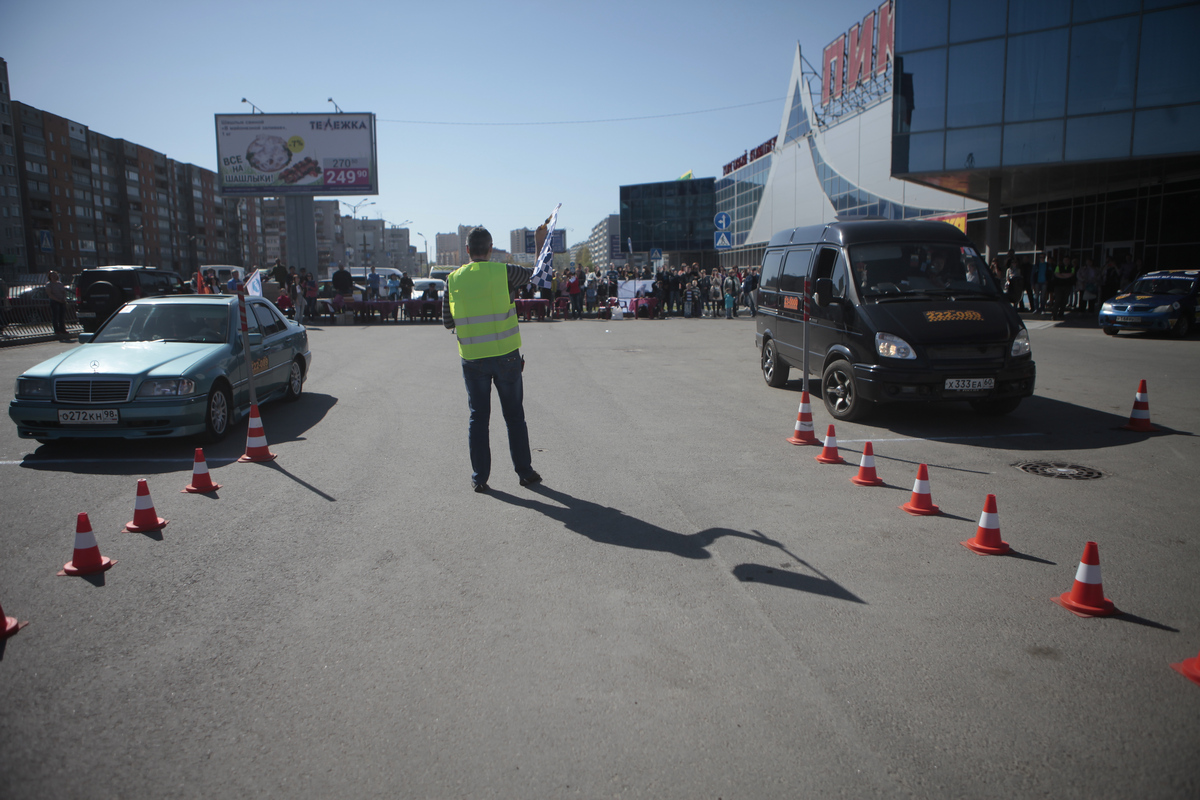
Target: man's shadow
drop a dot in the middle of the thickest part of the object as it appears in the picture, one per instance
(606, 525)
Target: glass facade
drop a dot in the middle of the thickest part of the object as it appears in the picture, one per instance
(1035, 82)
(739, 193)
(675, 216)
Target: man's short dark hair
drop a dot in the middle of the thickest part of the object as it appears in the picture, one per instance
(479, 243)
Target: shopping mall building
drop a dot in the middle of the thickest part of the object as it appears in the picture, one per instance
(1033, 124)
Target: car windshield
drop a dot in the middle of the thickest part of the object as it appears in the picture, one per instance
(914, 269)
(167, 322)
(1180, 285)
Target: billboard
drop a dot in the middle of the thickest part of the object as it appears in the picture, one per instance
(309, 154)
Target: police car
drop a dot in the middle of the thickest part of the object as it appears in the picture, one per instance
(1158, 301)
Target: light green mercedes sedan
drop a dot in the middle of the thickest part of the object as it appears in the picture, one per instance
(161, 367)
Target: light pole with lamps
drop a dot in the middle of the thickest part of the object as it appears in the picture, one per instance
(253, 107)
(426, 241)
(335, 106)
(354, 207)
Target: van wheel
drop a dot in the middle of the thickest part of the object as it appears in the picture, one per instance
(839, 390)
(775, 371)
(996, 408)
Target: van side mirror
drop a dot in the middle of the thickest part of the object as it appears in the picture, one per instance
(824, 292)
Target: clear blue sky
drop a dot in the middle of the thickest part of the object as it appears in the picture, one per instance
(156, 73)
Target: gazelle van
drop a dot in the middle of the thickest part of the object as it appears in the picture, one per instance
(898, 312)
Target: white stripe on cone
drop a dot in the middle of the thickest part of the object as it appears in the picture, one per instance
(831, 440)
(1088, 573)
(989, 520)
(868, 461)
(142, 502)
(86, 540)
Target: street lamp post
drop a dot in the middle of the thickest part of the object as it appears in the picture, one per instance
(253, 108)
(426, 241)
(354, 207)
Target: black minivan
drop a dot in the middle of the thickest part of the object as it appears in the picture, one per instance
(898, 311)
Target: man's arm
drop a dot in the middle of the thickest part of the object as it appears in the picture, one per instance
(447, 317)
(518, 276)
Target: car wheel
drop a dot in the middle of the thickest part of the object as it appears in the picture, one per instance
(775, 371)
(1111, 331)
(295, 383)
(216, 415)
(996, 408)
(1182, 327)
(839, 390)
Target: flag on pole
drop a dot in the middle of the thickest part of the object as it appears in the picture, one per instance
(687, 176)
(543, 273)
(254, 284)
(201, 284)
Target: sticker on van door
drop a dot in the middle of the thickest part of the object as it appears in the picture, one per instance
(791, 303)
(953, 316)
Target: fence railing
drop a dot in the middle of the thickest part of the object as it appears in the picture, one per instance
(25, 316)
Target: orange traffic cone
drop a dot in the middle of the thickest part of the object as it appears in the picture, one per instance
(1086, 597)
(804, 424)
(987, 535)
(87, 558)
(1188, 668)
(829, 453)
(9, 625)
(921, 503)
(1139, 418)
(256, 439)
(201, 482)
(145, 518)
(866, 469)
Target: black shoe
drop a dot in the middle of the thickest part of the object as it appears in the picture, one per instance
(531, 479)
(481, 488)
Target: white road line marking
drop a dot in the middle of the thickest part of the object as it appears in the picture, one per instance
(943, 438)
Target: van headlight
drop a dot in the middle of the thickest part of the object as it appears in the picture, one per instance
(890, 346)
(173, 387)
(1020, 345)
(1166, 309)
(1106, 308)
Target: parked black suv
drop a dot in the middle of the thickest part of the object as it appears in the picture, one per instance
(100, 291)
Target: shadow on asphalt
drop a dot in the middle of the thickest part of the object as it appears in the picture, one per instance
(282, 422)
(606, 525)
(1039, 423)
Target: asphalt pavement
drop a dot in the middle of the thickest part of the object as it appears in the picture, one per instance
(687, 607)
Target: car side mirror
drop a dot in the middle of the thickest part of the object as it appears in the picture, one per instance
(824, 292)
(86, 337)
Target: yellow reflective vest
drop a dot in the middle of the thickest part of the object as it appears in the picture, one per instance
(485, 317)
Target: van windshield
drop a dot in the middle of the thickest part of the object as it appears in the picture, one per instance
(920, 270)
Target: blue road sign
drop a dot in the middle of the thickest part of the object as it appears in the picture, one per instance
(656, 254)
(722, 220)
(722, 240)
(45, 241)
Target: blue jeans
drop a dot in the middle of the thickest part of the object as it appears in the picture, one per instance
(479, 375)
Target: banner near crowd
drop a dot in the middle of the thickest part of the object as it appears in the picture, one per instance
(306, 154)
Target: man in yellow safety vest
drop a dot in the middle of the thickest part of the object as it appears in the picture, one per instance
(479, 308)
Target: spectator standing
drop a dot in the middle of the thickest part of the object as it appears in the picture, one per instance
(480, 310)
(310, 295)
(58, 304)
(575, 293)
(731, 288)
(372, 285)
(393, 287)
(1026, 268)
(280, 274)
(406, 286)
(589, 292)
(343, 284)
(676, 288)
(1037, 291)
(749, 287)
(1089, 286)
(1014, 285)
(1062, 282)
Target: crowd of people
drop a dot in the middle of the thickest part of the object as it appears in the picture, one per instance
(1056, 282)
(686, 291)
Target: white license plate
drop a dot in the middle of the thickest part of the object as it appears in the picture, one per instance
(91, 416)
(969, 384)
(1127, 319)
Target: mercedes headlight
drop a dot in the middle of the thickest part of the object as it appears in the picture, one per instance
(1020, 345)
(33, 388)
(1164, 309)
(173, 387)
(890, 346)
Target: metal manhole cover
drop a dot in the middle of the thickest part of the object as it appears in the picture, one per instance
(1060, 469)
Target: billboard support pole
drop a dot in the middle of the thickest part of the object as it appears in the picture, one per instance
(301, 233)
